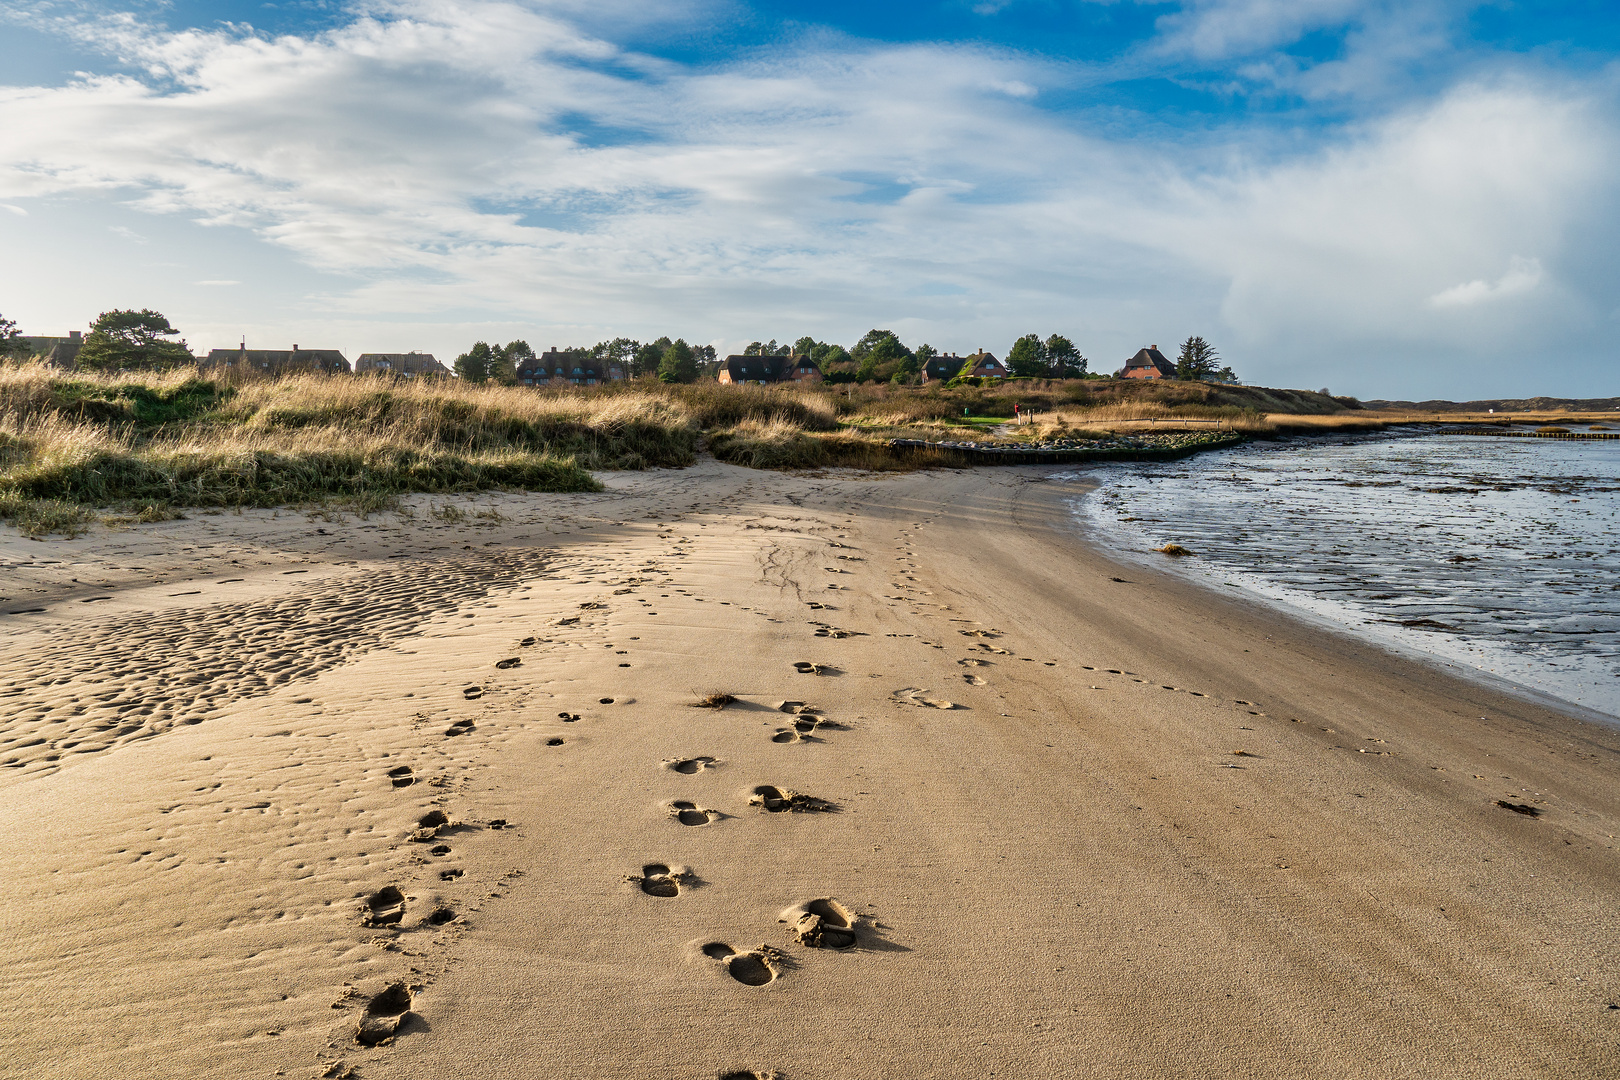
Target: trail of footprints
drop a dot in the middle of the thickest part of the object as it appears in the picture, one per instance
(819, 923)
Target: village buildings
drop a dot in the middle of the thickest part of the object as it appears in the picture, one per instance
(765, 370)
(556, 367)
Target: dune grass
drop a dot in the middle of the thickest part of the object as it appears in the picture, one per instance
(146, 446)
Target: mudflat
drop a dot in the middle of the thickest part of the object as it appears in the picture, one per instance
(725, 773)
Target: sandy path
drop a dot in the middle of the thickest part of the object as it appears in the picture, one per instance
(1069, 871)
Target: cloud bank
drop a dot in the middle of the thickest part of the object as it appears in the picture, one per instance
(425, 170)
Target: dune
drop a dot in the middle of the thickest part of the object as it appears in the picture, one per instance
(728, 773)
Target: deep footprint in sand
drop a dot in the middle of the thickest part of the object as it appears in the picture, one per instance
(658, 879)
(429, 824)
(509, 662)
(690, 766)
(777, 800)
(472, 693)
(385, 907)
(690, 813)
(460, 727)
(754, 968)
(786, 735)
(822, 923)
(384, 1015)
(972, 679)
(404, 776)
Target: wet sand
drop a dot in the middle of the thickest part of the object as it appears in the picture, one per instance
(1026, 818)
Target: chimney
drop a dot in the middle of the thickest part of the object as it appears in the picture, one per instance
(1155, 348)
(74, 335)
(295, 348)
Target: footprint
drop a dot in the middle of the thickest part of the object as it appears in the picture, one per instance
(385, 907)
(980, 633)
(451, 875)
(914, 695)
(526, 642)
(754, 968)
(781, 801)
(460, 727)
(441, 915)
(509, 662)
(805, 667)
(568, 718)
(656, 879)
(822, 923)
(689, 766)
(972, 679)
(974, 661)
(428, 825)
(690, 813)
(472, 693)
(749, 1074)
(440, 850)
(404, 776)
(384, 1015)
(786, 735)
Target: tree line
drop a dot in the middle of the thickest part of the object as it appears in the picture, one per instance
(143, 340)
(670, 361)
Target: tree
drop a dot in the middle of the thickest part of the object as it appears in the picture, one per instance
(806, 346)
(620, 350)
(924, 353)
(827, 356)
(648, 357)
(882, 342)
(132, 340)
(1064, 359)
(1197, 361)
(12, 343)
(1027, 357)
(678, 364)
(1228, 376)
(474, 364)
(506, 361)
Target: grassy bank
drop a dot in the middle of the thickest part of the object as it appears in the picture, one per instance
(149, 446)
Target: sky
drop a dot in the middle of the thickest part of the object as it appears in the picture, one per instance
(1386, 198)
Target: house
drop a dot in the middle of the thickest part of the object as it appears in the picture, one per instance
(277, 361)
(943, 367)
(1148, 363)
(985, 366)
(554, 367)
(765, 370)
(58, 352)
(411, 365)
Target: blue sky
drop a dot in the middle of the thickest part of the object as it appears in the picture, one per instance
(1391, 199)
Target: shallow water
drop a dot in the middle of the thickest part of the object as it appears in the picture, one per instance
(1502, 554)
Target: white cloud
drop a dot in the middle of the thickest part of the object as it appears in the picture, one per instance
(1522, 276)
(19, 211)
(493, 164)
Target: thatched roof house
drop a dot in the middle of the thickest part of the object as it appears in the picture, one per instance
(1148, 363)
(795, 367)
(277, 361)
(411, 365)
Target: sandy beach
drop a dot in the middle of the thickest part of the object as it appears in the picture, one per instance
(434, 796)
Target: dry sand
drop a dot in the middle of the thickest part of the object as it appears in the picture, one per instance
(1076, 825)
